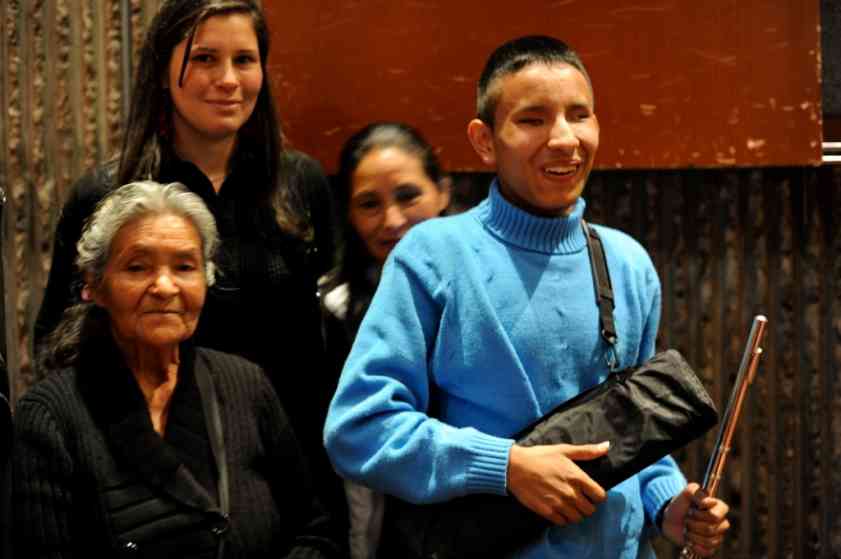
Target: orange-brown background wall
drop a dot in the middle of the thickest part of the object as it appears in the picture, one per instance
(678, 84)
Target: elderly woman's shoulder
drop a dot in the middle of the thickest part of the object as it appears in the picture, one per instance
(223, 360)
(87, 192)
(95, 184)
(57, 383)
(230, 368)
(55, 394)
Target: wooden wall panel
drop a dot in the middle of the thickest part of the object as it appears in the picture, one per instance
(678, 84)
(728, 245)
(63, 97)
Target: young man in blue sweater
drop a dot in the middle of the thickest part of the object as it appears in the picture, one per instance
(491, 314)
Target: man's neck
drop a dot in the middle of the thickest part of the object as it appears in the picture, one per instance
(512, 198)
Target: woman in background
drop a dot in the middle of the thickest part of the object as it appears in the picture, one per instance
(138, 443)
(202, 114)
(388, 180)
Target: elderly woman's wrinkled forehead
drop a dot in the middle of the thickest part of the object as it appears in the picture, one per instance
(132, 202)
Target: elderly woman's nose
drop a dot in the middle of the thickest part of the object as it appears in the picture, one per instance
(164, 283)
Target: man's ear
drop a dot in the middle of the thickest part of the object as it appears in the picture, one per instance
(481, 138)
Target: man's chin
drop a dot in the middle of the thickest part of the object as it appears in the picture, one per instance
(558, 205)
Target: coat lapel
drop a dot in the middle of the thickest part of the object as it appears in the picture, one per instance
(118, 407)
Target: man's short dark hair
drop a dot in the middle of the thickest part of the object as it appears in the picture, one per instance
(512, 57)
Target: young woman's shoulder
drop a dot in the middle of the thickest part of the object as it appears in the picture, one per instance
(89, 190)
(95, 183)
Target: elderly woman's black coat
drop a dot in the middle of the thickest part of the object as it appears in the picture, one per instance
(93, 479)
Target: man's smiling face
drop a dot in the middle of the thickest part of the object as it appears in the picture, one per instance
(544, 139)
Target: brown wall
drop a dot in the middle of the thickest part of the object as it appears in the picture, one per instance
(727, 243)
(678, 84)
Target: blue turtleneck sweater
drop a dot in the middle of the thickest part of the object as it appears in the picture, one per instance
(491, 317)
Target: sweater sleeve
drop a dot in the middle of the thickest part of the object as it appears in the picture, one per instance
(42, 489)
(378, 429)
(660, 482)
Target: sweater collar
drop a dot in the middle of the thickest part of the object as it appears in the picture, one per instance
(554, 235)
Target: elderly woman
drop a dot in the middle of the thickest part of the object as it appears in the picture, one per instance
(137, 443)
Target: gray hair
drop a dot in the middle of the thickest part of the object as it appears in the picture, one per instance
(84, 321)
(133, 201)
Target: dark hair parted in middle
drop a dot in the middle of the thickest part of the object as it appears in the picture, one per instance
(354, 263)
(512, 57)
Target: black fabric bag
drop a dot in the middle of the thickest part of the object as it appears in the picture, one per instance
(645, 412)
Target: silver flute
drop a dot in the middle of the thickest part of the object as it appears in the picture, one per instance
(747, 371)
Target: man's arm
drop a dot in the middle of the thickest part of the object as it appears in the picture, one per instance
(548, 481)
(663, 480)
(378, 430)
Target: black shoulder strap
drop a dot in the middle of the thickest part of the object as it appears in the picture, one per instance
(213, 420)
(602, 285)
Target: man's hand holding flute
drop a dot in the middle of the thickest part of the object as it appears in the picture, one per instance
(696, 521)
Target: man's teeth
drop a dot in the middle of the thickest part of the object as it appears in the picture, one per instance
(560, 170)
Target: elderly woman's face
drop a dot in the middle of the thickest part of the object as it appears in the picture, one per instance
(154, 285)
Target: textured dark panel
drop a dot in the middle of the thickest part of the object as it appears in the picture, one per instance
(729, 245)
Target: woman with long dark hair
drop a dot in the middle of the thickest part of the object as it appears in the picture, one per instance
(202, 114)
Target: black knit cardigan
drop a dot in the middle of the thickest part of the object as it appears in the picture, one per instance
(93, 479)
